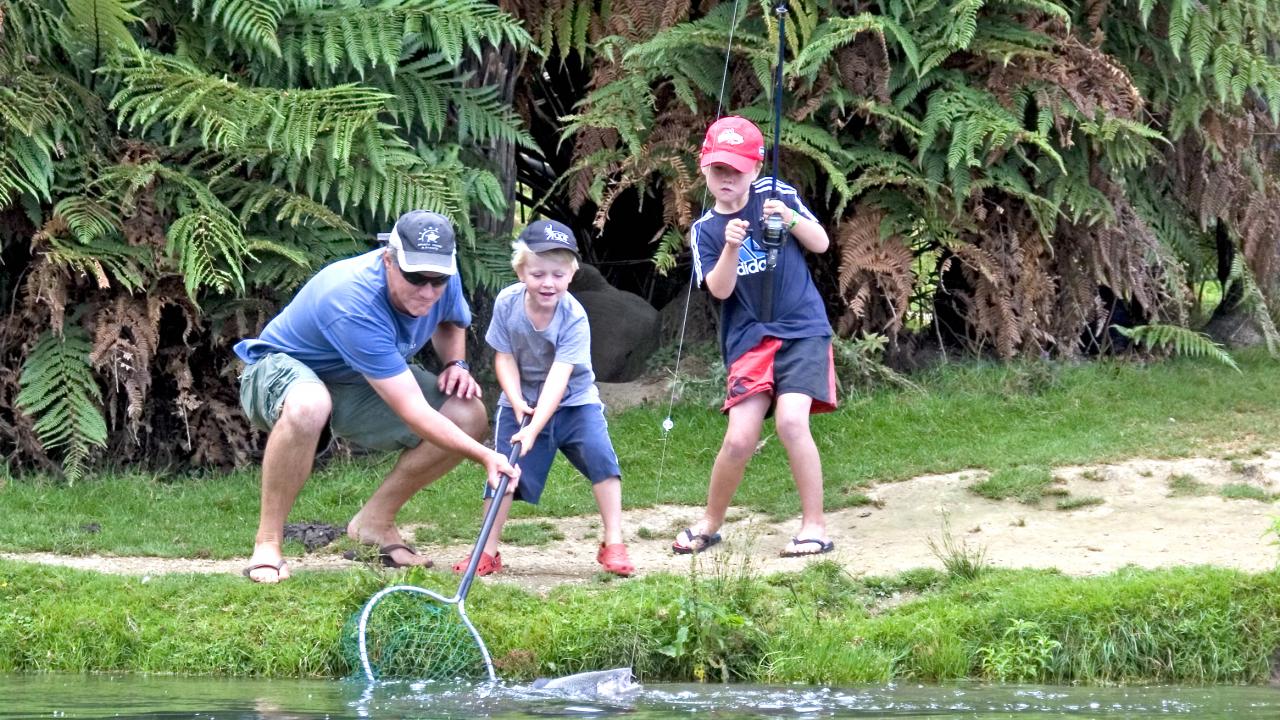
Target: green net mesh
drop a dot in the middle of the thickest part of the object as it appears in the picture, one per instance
(409, 636)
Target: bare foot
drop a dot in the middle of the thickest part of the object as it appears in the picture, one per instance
(267, 564)
(384, 538)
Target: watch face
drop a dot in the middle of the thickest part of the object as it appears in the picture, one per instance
(462, 364)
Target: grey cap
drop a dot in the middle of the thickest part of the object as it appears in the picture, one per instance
(544, 235)
(424, 242)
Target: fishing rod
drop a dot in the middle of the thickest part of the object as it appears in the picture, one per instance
(775, 233)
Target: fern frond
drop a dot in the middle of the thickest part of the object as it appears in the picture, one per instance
(363, 36)
(426, 89)
(105, 259)
(59, 392)
(88, 219)
(31, 28)
(840, 31)
(292, 255)
(159, 89)
(1178, 341)
(26, 166)
(209, 248)
(100, 28)
(254, 22)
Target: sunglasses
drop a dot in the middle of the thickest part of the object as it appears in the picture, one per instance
(418, 279)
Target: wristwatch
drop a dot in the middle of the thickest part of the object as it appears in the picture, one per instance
(460, 363)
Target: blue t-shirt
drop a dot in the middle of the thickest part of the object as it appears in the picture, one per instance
(566, 339)
(341, 324)
(798, 310)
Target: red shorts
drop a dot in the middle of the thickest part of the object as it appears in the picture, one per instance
(777, 367)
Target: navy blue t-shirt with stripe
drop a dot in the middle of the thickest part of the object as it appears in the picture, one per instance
(798, 310)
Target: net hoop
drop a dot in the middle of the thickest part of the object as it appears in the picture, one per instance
(455, 600)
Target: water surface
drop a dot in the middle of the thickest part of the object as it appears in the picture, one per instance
(99, 696)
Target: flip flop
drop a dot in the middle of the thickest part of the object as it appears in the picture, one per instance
(384, 556)
(262, 566)
(824, 546)
(693, 544)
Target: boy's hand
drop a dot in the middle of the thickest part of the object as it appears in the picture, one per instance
(774, 205)
(525, 437)
(522, 409)
(736, 232)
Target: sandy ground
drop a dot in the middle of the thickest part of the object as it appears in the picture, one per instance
(1138, 522)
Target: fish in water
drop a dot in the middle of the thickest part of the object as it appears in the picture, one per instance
(601, 683)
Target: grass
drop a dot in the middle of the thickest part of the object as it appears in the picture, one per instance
(820, 625)
(1075, 503)
(1026, 484)
(1183, 485)
(1013, 420)
(1243, 491)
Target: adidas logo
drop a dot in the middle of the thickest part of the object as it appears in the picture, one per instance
(751, 259)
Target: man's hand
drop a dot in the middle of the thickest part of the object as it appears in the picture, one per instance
(735, 232)
(497, 465)
(453, 380)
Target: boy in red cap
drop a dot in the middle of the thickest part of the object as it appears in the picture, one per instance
(779, 359)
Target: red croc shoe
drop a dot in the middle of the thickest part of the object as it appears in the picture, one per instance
(489, 564)
(614, 559)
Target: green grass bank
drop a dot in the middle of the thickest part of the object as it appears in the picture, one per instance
(1196, 625)
(817, 626)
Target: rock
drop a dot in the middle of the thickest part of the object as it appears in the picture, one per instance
(1235, 329)
(313, 535)
(702, 324)
(624, 327)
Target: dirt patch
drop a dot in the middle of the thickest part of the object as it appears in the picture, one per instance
(1148, 513)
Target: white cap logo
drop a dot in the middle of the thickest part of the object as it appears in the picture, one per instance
(430, 234)
(729, 136)
(555, 235)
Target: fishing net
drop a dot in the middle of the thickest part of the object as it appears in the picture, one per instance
(412, 635)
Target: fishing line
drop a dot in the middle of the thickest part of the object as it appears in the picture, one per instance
(667, 423)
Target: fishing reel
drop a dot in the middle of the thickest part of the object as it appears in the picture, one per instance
(775, 236)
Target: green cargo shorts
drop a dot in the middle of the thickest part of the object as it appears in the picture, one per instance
(360, 415)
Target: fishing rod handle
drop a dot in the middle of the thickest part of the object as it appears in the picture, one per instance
(490, 517)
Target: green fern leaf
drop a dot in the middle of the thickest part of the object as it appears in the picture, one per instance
(253, 21)
(58, 391)
(100, 28)
(1178, 341)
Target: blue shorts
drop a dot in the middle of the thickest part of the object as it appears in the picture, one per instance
(578, 431)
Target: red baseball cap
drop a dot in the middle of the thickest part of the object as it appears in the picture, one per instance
(734, 141)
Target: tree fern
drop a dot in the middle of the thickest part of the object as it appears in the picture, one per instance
(59, 392)
(1178, 341)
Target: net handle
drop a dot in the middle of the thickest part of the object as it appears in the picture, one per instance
(490, 518)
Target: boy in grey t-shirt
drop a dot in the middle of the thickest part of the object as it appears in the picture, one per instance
(543, 362)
